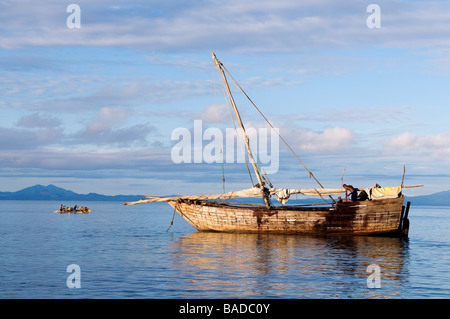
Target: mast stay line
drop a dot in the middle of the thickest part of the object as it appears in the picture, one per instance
(246, 140)
(234, 124)
(270, 124)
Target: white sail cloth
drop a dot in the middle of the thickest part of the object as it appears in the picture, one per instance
(376, 192)
(251, 192)
(282, 195)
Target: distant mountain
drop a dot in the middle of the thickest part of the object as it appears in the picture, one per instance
(437, 199)
(52, 192)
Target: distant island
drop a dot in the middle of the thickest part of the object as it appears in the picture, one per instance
(52, 192)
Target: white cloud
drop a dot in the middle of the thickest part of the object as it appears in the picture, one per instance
(25, 139)
(249, 26)
(54, 158)
(214, 114)
(427, 147)
(52, 84)
(378, 115)
(36, 120)
(110, 127)
(334, 139)
(106, 129)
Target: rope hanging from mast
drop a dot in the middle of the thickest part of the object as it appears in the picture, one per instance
(234, 124)
(220, 149)
(219, 66)
(270, 124)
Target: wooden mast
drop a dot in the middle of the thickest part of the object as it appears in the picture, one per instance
(246, 140)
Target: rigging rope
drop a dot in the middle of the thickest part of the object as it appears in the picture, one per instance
(270, 124)
(235, 129)
(220, 149)
(264, 175)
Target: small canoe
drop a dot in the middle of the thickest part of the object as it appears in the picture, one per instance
(78, 211)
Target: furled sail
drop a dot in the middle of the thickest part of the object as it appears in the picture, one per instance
(282, 195)
(378, 192)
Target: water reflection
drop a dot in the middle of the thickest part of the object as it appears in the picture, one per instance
(258, 265)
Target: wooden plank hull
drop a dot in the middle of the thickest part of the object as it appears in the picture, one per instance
(377, 217)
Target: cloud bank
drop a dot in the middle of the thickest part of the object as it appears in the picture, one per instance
(253, 26)
(107, 95)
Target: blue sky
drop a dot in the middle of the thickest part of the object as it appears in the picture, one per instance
(92, 109)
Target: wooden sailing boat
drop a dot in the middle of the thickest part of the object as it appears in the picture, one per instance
(382, 213)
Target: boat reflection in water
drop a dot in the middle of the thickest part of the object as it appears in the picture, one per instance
(227, 265)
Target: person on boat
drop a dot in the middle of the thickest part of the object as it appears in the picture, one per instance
(363, 196)
(61, 207)
(352, 190)
(75, 208)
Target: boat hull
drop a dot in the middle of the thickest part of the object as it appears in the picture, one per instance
(73, 211)
(376, 217)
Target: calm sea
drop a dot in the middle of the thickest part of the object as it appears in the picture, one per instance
(125, 252)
